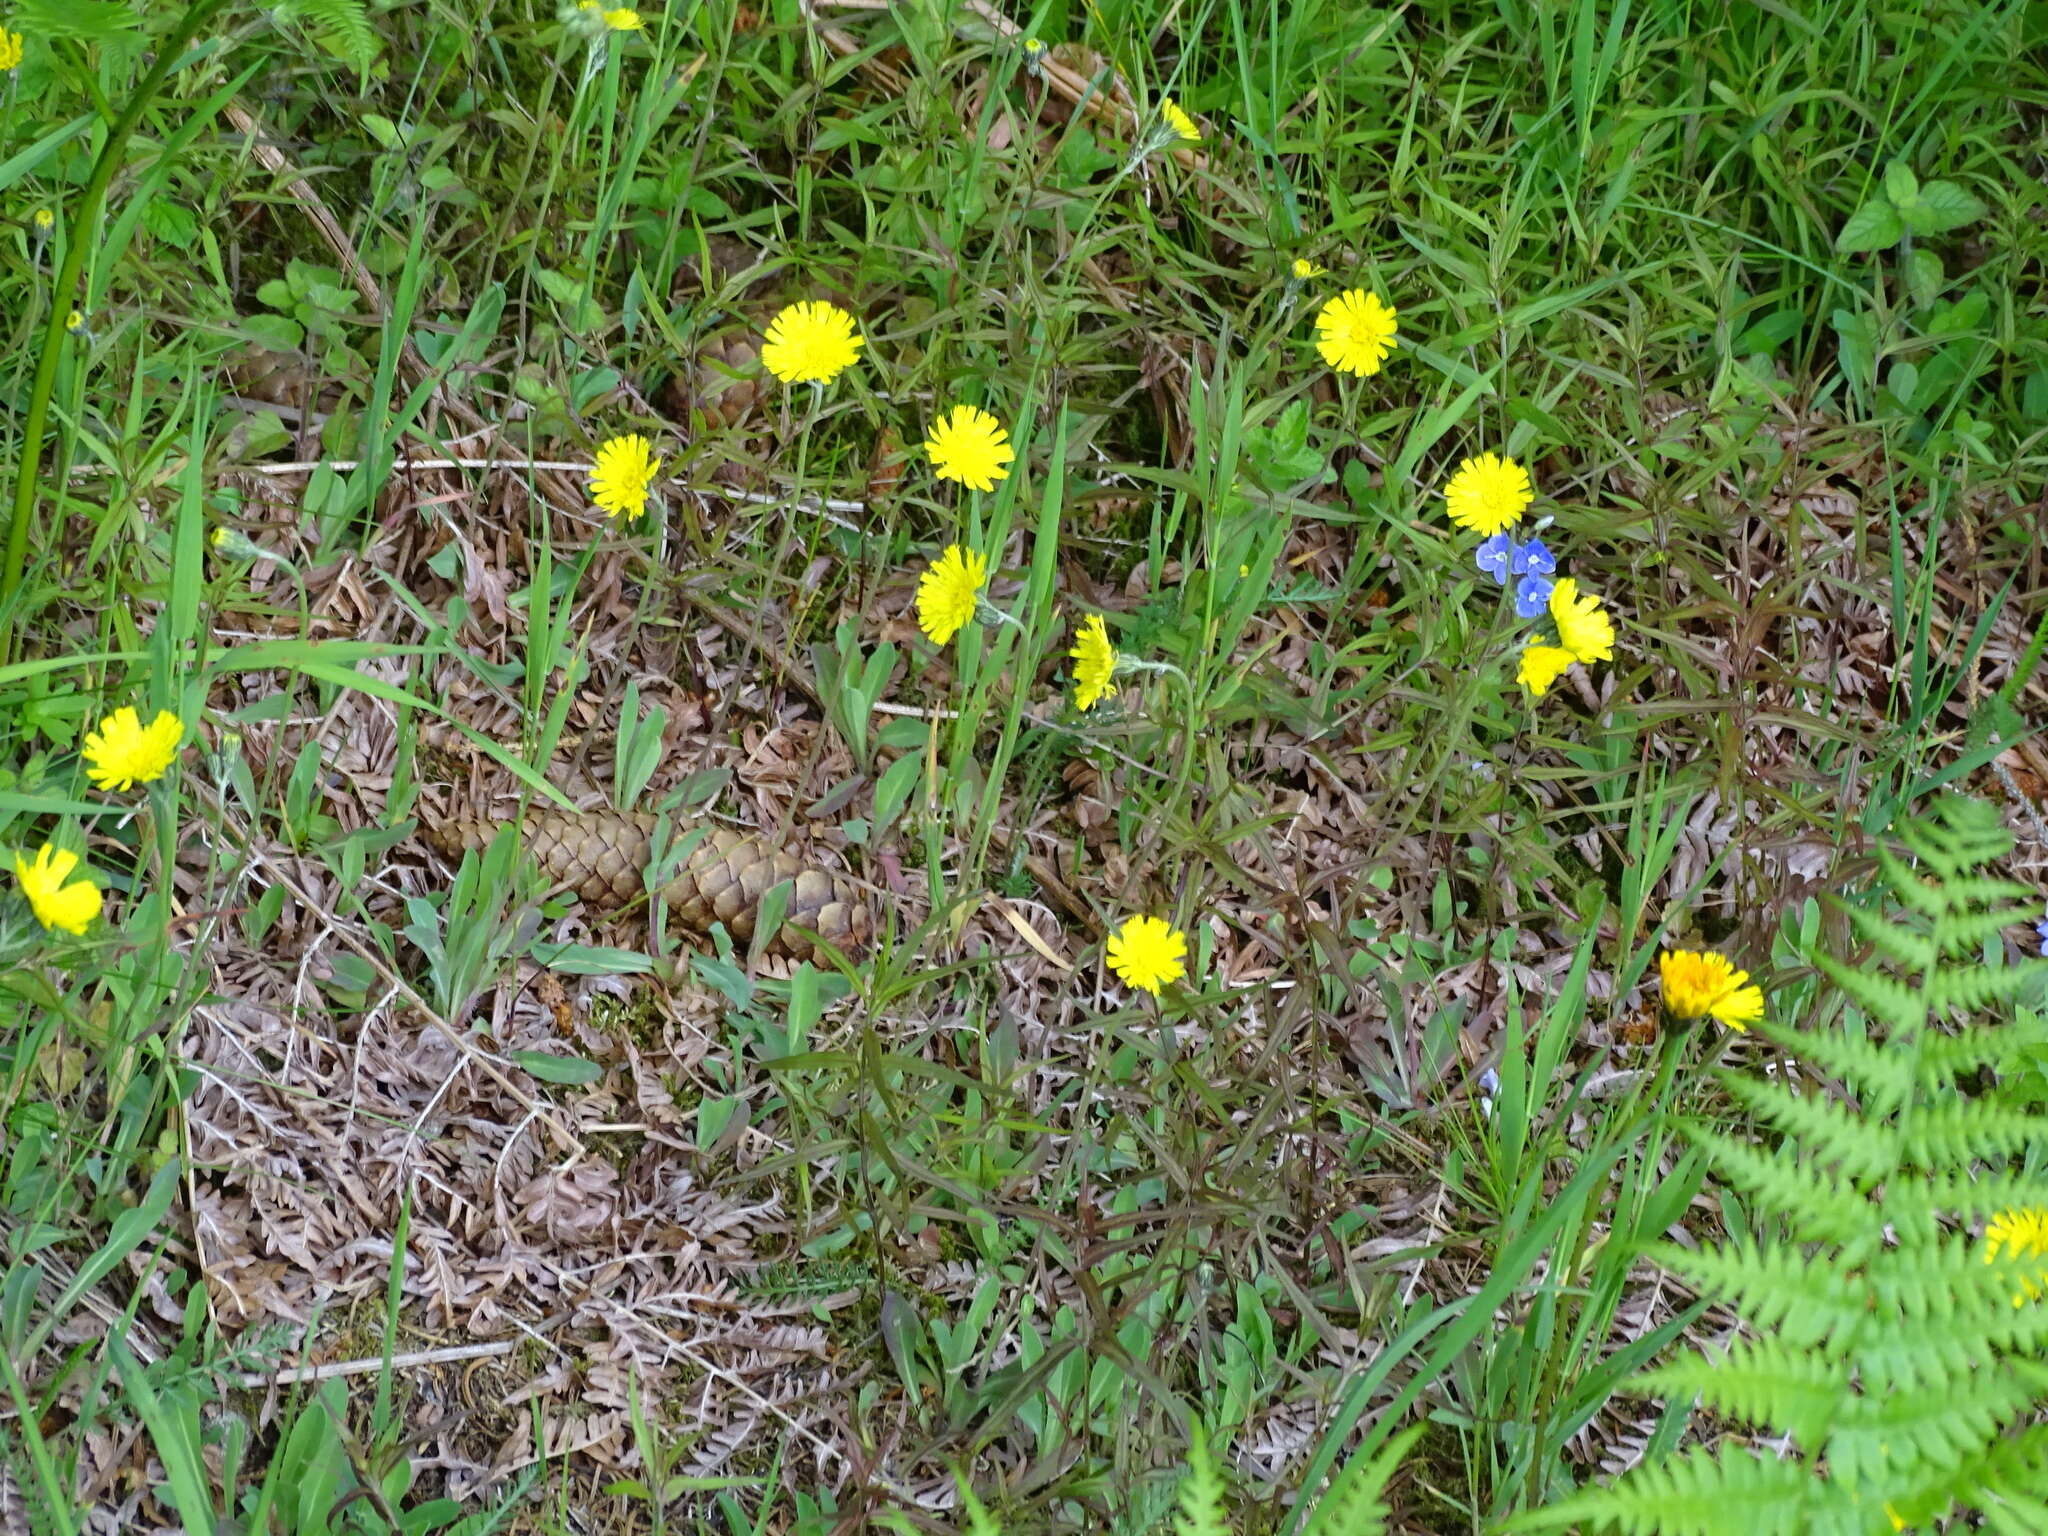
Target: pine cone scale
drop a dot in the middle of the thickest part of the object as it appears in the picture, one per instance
(602, 856)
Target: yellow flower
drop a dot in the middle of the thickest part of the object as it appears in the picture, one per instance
(625, 469)
(811, 343)
(1583, 627)
(1304, 270)
(622, 20)
(1147, 952)
(74, 322)
(57, 905)
(1706, 985)
(1541, 666)
(1182, 125)
(1488, 494)
(44, 218)
(948, 593)
(969, 446)
(1094, 662)
(2023, 1234)
(10, 51)
(1355, 332)
(124, 752)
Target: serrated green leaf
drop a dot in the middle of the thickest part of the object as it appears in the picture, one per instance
(1942, 206)
(1873, 227)
(1901, 185)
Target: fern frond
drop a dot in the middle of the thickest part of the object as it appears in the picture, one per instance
(1985, 910)
(1945, 1057)
(1954, 1135)
(1879, 995)
(1955, 834)
(1937, 1351)
(1879, 1442)
(2012, 1479)
(1882, 1077)
(343, 25)
(1775, 1287)
(1695, 1494)
(1912, 949)
(1967, 1196)
(1353, 1506)
(1820, 1207)
(1960, 993)
(1201, 1492)
(1827, 1130)
(1759, 1381)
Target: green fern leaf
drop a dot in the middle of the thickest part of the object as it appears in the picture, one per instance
(1953, 1135)
(343, 25)
(1819, 1206)
(1912, 949)
(1775, 1287)
(1759, 1381)
(1201, 1492)
(1887, 1359)
(1353, 1506)
(1826, 1129)
(1694, 1494)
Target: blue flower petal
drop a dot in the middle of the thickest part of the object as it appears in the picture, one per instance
(1533, 559)
(1493, 556)
(1532, 595)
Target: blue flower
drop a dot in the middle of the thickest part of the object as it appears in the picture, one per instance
(1532, 559)
(1532, 595)
(1494, 555)
(2042, 929)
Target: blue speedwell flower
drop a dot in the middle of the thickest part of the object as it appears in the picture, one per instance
(1493, 556)
(1532, 559)
(2042, 929)
(1532, 596)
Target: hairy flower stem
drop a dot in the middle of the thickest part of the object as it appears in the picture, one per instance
(85, 213)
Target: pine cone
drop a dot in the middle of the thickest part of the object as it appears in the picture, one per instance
(602, 856)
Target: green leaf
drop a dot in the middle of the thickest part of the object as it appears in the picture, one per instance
(1942, 206)
(96, 20)
(276, 333)
(573, 1071)
(1923, 276)
(1901, 185)
(1872, 227)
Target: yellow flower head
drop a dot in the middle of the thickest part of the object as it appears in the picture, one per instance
(1355, 332)
(1147, 953)
(1488, 494)
(2023, 1235)
(948, 593)
(74, 322)
(1541, 666)
(124, 752)
(624, 472)
(10, 51)
(969, 446)
(811, 343)
(1706, 985)
(1583, 627)
(1305, 269)
(45, 219)
(1182, 125)
(1094, 662)
(622, 20)
(57, 905)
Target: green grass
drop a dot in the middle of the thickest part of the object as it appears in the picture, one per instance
(1042, 1230)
